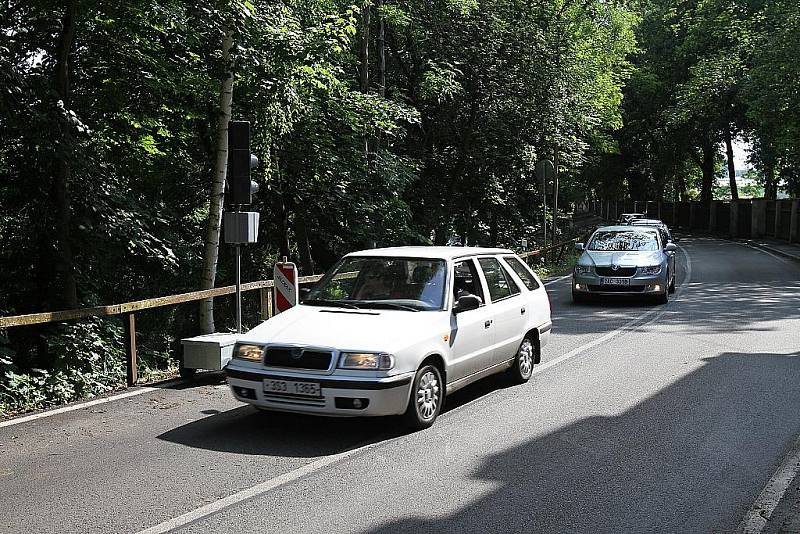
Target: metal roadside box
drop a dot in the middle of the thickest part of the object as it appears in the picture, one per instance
(210, 351)
(240, 226)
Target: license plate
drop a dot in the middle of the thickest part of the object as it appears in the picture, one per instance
(615, 282)
(290, 387)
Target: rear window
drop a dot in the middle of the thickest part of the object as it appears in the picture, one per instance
(522, 271)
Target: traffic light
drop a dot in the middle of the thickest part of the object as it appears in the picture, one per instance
(240, 163)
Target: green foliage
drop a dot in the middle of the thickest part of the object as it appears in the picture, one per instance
(475, 93)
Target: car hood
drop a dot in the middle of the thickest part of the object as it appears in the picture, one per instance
(344, 329)
(632, 258)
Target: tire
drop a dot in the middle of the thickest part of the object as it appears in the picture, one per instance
(672, 285)
(579, 298)
(663, 298)
(522, 369)
(426, 399)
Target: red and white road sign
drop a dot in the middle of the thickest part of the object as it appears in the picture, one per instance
(287, 288)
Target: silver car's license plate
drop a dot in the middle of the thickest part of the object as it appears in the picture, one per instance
(615, 282)
(290, 387)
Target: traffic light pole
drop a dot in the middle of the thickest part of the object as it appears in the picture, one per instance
(238, 288)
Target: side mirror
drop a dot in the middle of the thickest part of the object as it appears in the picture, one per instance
(578, 246)
(467, 303)
(676, 239)
(671, 247)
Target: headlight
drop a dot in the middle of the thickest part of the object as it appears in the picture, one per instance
(366, 360)
(251, 353)
(653, 269)
(583, 269)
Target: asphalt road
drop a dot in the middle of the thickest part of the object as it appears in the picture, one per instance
(640, 418)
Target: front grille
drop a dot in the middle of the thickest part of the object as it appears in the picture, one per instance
(621, 271)
(617, 289)
(296, 358)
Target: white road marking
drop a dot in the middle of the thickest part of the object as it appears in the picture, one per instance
(757, 516)
(558, 279)
(74, 407)
(82, 405)
(308, 469)
(767, 252)
(652, 314)
(254, 491)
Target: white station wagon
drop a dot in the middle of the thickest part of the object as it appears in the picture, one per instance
(391, 331)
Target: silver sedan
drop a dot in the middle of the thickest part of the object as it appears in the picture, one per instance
(627, 260)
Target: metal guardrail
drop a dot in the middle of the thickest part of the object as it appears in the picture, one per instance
(127, 310)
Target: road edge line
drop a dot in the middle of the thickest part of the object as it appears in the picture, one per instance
(761, 510)
(74, 407)
(254, 491)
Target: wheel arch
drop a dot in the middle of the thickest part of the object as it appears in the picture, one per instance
(533, 335)
(436, 360)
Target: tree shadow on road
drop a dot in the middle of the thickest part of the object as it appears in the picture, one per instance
(691, 458)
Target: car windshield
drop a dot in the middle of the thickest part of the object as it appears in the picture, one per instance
(413, 284)
(621, 240)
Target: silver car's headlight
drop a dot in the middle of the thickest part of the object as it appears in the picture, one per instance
(366, 360)
(651, 270)
(250, 353)
(583, 269)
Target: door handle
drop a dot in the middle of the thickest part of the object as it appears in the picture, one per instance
(522, 311)
(487, 324)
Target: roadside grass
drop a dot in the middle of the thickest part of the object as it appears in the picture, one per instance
(560, 267)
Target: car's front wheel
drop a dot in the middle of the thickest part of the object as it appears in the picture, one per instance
(522, 370)
(427, 396)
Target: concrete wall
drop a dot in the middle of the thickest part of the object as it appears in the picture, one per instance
(778, 219)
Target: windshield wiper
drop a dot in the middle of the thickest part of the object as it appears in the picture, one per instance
(392, 305)
(334, 303)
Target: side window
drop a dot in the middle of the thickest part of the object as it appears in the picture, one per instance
(522, 271)
(500, 284)
(465, 280)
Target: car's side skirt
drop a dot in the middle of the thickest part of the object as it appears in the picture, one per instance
(474, 377)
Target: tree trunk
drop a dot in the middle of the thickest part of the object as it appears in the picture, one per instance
(214, 222)
(381, 51)
(364, 66)
(680, 189)
(364, 52)
(61, 176)
(769, 181)
(707, 166)
(731, 166)
(303, 246)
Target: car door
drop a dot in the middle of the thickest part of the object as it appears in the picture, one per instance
(538, 311)
(509, 309)
(471, 333)
(667, 238)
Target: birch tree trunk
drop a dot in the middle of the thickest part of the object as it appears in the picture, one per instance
(214, 222)
(65, 262)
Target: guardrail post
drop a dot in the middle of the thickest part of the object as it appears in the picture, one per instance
(132, 372)
(794, 222)
(262, 300)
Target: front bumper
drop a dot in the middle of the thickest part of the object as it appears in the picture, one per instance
(384, 396)
(638, 284)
